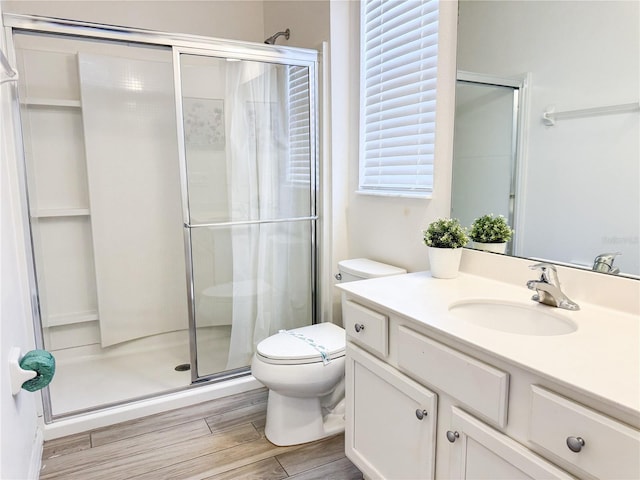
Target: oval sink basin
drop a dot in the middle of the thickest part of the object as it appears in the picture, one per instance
(512, 317)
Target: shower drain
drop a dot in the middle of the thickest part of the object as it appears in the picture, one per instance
(183, 367)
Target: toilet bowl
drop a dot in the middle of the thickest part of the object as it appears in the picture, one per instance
(303, 369)
(300, 382)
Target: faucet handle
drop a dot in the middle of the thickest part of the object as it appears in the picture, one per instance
(548, 272)
(604, 262)
(542, 266)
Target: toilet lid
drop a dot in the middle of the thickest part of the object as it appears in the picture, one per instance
(303, 345)
(365, 268)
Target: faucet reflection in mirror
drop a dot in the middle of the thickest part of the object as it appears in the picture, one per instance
(548, 288)
(604, 263)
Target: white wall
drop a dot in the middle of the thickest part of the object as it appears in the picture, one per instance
(583, 175)
(20, 436)
(382, 228)
(341, 43)
(308, 21)
(238, 20)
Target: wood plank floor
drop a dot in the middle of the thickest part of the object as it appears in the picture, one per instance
(218, 440)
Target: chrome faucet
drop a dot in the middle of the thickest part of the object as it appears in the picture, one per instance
(548, 288)
(604, 263)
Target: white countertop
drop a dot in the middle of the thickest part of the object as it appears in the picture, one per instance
(601, 358)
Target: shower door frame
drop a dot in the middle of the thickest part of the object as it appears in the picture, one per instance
(188, 226)
(521, 87)
(180, 43)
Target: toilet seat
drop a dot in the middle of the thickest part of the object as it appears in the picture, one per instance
(303, 345)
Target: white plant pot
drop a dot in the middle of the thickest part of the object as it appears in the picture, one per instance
(491, 247)
(445, 262)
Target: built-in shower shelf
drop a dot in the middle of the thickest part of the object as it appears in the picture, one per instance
(60, 212)
(51, 102)
(70, 318)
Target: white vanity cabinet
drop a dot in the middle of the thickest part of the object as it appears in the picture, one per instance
(484, 417)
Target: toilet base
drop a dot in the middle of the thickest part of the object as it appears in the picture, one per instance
(293, 420)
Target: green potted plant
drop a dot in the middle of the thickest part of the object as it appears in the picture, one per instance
(444, 239)
(490, 233)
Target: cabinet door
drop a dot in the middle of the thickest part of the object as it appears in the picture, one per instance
(390, 420)
(480, 452)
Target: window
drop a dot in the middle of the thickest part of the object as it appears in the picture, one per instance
(398, 60)
(299, 167)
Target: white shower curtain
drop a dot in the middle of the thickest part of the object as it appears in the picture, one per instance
(270, 283)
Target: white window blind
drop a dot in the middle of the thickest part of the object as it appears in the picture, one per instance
(299, 167)
(399, 52)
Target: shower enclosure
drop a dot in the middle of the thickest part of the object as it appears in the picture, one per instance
(151, 159)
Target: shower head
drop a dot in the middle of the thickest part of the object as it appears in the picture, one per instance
(272, 39)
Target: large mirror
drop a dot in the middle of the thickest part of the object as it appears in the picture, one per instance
(547, 126)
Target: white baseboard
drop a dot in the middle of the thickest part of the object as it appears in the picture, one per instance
(142, 408)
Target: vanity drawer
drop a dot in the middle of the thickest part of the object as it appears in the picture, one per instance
(610, 448)
(366, 327)
(479, 386)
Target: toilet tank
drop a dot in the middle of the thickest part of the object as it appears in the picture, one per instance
(363, 268)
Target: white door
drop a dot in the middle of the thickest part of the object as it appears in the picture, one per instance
(390, 420)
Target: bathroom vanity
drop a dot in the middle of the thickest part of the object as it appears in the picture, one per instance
(433, 394)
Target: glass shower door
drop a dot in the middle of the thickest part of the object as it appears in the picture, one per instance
(249, 180)
(103, 186)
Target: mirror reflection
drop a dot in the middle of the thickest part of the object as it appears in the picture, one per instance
(547, 127)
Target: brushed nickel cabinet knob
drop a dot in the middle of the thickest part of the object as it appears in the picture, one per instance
(575, 444)
(452, 436)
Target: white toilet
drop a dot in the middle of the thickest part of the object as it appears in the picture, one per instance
(303, 369)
